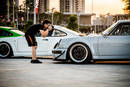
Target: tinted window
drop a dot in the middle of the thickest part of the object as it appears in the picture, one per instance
(5, 33)
(55, 33)
(38, 34)
(122, 29)
(125, 30)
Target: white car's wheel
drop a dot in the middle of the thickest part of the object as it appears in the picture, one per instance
(79, 53)
(5, 50)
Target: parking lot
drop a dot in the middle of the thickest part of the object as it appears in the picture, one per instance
(19, 72)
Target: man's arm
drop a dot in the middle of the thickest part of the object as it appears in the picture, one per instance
(45, 33)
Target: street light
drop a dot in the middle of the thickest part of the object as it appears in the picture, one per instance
(78, 21)
(13, 10)
(34, 21)
(8, 10)
(92, 6)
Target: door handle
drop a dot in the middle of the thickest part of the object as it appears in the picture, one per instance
(45, 39)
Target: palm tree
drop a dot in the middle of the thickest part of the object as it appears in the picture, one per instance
(58, 16)
(127, 6)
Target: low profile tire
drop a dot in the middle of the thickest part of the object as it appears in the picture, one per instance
(5, 50)
(79, 53)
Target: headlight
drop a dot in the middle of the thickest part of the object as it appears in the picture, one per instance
(57, 44)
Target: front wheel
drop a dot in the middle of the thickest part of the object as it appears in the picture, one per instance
(5, 50)
(79, 53)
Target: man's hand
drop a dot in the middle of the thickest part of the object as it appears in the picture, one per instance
(44, 33)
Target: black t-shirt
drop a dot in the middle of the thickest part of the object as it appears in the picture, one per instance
(34, 29)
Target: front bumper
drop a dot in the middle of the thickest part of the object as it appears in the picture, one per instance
(59, 54)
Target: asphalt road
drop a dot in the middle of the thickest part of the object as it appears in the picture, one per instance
(19, 72)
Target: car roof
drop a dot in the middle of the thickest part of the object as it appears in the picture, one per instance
(121, 21)
(8, 28)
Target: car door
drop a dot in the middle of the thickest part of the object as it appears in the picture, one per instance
(117, 43)
(22, 45)
(45, 45)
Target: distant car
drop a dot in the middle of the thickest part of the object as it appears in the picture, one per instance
(113, 43)
(13, 42)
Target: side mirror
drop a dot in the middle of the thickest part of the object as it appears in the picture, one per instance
(105, 35)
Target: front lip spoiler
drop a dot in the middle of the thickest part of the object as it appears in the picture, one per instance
(58, 55)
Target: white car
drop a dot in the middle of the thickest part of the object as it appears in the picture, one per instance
(13, 42)
(113, 43)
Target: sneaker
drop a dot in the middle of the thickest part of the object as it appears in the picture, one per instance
(35, 61)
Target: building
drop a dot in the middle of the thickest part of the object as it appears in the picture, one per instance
(43, 6)
(102, 22)
(84, 19)
(72, 6)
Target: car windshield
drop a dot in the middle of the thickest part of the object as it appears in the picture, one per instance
(17, 31)
(108, 30)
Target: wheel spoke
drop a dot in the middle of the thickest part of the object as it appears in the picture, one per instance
(4, 50)
(79, 52)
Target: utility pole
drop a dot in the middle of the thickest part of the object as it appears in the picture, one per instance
(27, 13)
(8, 9)
(78, 15)
(34, 21)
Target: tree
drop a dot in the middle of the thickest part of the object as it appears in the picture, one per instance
(72, 22)
(127, 6)
(29, 4)
(58, 16)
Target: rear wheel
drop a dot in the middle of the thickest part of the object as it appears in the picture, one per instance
(79, 53)
(5, 50)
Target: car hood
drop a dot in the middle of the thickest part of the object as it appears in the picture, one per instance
(94, 35)
(65, 42)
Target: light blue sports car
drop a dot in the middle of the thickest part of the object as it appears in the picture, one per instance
(113, 43)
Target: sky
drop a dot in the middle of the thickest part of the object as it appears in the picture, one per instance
(99, 6)
(104, 6)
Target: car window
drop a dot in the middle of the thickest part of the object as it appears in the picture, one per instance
(55, 33)
(58, 33)
(117, 30)
(38, 34)
(5, 33)
(122, 30)
(18, 32)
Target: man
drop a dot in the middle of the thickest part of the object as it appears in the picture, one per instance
(43, 28)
